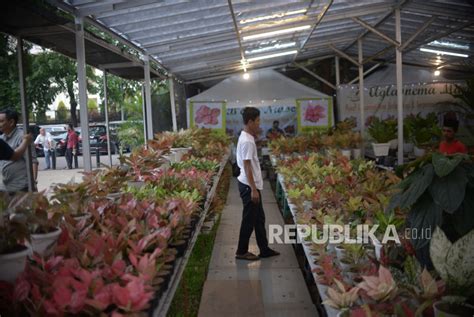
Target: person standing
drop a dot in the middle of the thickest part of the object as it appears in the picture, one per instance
(44, 138)
(250, 186)
(14, 173)
(275, 132)
(71, 145)
(451, 145)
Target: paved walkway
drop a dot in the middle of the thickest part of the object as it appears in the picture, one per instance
(269, 287)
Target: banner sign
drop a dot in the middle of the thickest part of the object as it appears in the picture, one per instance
(283, 112)
(314, 113)
(208, 114)
(381, 101)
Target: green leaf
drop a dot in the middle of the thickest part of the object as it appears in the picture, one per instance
(443, 165)
(418, 186)
(449, 191)
(438, 252)
(423, 217)
(460, 265)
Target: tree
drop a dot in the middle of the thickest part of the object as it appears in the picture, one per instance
(61, 112)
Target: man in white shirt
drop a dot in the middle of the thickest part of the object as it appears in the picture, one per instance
(250, 186)
(44, 138)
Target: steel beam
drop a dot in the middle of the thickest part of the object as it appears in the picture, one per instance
(315, 25)
(173, 105)
(315, 75)
(374, 30)
(365, 73)
(342, 54)
(398, 55)
(24, 114)
(361, 95)
(337, 71)
(418, 32)
(120, 65)
(149, 112)
(82, 79)
(237, 33)
(106, 110)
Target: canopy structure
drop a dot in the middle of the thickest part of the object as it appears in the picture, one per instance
(262, 85)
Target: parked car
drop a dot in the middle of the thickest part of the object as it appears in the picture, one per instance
(60, 142)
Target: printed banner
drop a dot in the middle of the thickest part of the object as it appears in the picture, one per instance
(208, 114)
(381, 101)
(314, 113)
(284, 112)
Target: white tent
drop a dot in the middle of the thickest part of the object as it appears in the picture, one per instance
(273, 93)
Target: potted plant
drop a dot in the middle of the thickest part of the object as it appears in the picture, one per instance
(437, 191)
(357, 142)
(382, 131)
(343, 141)
(43, 224)
(425, 129)
(13, 234)
(409, 128)
(340, 298)
(454, 263)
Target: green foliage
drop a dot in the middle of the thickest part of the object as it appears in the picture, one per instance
(453, 262)
(438, 192)
(425, 129)
(382, 131)
(130, 133)
(61, 112)
(465, 95)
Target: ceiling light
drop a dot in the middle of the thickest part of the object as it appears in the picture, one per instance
(253, 59)
(449, 45)
(436, 73)
(443, 52)
(246, 76)
(278, 32)
(272, 16)
(264, 49)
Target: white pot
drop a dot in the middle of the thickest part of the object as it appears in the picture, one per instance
(44, 243)
(345, 266)
(12, 264)
(419, 152)
(446, 309)
(393, 144)
(407, 148)
(346, 153)
(378, 249)
(307, 205)
(356, 154)
(381, 149)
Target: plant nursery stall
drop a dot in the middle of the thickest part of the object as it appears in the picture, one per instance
(118, 242)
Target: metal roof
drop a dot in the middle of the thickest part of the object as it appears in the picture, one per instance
(202, 39)
(197, 39)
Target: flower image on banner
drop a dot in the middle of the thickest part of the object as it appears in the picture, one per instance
(208, 115)
(314, 113)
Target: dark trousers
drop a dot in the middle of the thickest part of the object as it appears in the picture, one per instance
(69, 158)
(253, 217)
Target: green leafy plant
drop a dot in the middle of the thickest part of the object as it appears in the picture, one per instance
(438, 191)
(383, 131)
(340, 298)
(13, 227)
(454, 263)
(424, 129)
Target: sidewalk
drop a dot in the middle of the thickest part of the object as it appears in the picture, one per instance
(268, 287)
(47, 179)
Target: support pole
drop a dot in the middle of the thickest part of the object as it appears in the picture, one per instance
(149, 113)
(338, 77)
(144, 115)
(398, 55)
(173, 105)
(315, 75)
(81, 77)
(106, 109)
(24, 113)
(361, 94)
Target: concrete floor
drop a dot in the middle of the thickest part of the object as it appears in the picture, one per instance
(268, 287)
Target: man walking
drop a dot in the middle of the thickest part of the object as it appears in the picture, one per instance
(250, 186)
(14, 173)
(71, 143)
(44, 138)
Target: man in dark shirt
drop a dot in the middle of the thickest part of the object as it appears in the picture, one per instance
(9, 154)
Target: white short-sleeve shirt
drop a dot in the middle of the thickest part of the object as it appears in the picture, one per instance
(247, 150)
